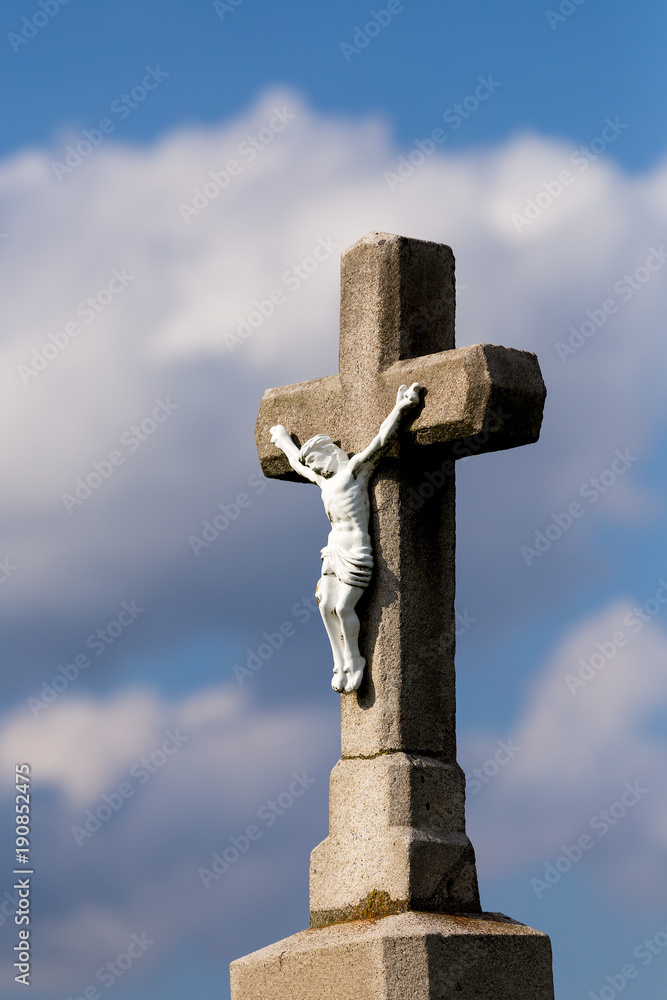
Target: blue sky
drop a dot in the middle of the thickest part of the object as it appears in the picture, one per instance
(135, 284)
(560, 76)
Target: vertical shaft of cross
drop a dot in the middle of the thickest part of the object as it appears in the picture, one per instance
(407, 700)
(397, 301)
(397, 836)
(397, 304)
(397, 847)
(397, 829)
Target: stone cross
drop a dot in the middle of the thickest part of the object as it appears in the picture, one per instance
(397, 837)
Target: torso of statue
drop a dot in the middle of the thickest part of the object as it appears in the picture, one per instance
(345, 498)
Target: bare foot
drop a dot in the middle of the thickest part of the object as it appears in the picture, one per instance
(339, 680)
(354, 675)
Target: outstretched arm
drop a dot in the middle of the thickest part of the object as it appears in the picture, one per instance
(366, 461)
(281, 438)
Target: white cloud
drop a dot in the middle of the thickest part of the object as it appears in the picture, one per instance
(232, 758)
(162, 335)
(318, 178)
(588, 728)
(78, 745)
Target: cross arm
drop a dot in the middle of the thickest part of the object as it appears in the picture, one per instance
(305, 409)
(494, 394)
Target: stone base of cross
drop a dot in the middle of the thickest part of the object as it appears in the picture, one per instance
(394, 902)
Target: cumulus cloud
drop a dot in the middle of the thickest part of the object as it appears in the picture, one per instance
(117, 308)
(592, 726)
(151, 789)
(163, 330)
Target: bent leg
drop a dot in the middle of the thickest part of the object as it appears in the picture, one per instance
(353, 661)
(326, 595)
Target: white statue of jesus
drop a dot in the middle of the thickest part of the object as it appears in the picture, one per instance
(347, 558)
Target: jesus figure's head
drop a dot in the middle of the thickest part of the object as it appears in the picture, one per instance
(321, 455)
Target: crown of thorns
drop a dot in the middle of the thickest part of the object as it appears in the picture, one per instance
(317, 443)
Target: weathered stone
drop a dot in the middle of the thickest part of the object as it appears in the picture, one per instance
(409, 956)
(397, 850)
(397, 325)
(397, 303)
(396, 822)
(471, 392)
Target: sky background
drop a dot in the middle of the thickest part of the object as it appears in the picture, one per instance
(551, 192)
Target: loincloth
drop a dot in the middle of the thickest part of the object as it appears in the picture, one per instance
(352, 568)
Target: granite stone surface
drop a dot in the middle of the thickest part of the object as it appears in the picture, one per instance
(395, 910)
(408, 956)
